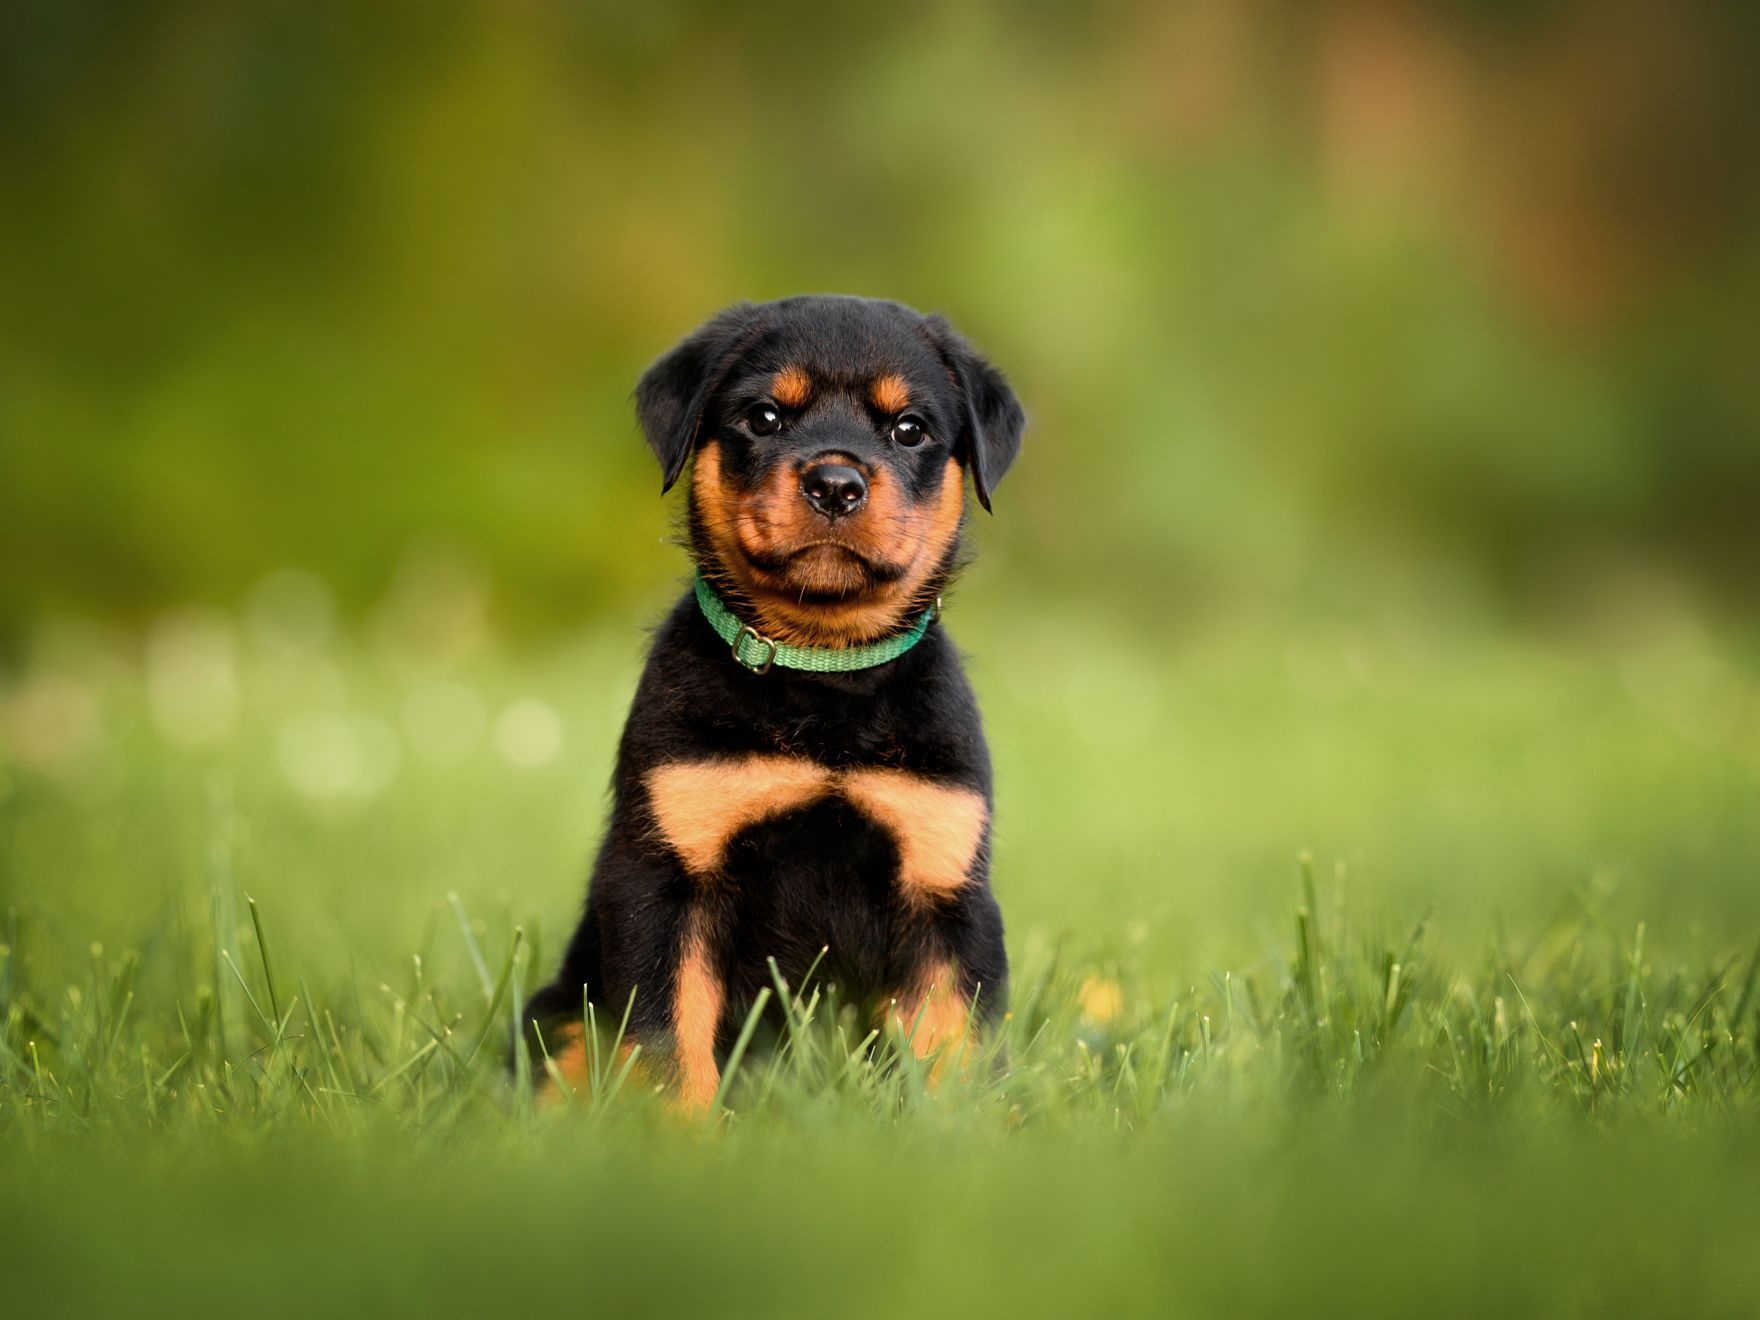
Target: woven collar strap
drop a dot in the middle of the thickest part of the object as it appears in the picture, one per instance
(758, 653)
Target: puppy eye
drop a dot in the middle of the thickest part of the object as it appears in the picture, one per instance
(763, 419)
(909, 431)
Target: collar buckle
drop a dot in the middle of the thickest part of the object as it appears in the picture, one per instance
(739, 641)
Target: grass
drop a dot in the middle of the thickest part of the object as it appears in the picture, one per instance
(1498, 1048)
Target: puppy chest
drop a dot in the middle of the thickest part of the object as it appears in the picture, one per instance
(934, 829)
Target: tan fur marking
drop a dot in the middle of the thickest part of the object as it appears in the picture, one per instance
(695, 1018)
(936, 1019)
(890, 393)
(700, 806)
(790, 387)
(716, 505)
(938, 828)
(568, 1052)
(774, 519)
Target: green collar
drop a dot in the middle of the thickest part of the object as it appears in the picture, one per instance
(758, 653)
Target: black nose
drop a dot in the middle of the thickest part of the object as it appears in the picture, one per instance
(834, 489)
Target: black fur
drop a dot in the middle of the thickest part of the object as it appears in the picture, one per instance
(824, 876)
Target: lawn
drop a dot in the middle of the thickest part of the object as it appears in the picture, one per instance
(1358, 969)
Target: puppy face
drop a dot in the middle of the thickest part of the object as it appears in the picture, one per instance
(831, 437)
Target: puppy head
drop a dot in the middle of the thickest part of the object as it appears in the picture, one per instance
(832, 437)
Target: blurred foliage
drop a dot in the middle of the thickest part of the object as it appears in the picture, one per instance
(1308, 302)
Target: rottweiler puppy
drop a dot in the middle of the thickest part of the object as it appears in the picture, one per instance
(803, 775)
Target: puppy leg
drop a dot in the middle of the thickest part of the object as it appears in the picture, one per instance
(952, 972)
(694, 1010)
(646, 947)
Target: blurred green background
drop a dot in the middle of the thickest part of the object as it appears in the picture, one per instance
(1319, 304)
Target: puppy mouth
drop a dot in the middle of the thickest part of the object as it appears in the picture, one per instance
(824, 569)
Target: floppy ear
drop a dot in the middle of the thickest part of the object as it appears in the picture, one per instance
(671, 395)
(991, 433)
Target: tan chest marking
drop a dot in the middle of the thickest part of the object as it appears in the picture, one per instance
(938, 828)
(700, 805)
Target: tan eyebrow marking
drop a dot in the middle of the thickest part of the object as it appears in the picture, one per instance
(890, 394)
(790, 387)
